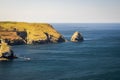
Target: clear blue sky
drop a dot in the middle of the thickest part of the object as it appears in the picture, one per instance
(74, 11)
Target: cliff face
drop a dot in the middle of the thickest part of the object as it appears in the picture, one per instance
(12, 37)
(29, 33)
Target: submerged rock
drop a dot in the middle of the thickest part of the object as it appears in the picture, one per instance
(77, 37)
(6, 53)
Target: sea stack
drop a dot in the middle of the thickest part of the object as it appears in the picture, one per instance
(77, 37)
(6, 53)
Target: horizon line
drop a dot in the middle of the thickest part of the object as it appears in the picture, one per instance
(58, 22)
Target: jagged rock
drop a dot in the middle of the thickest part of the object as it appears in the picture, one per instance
(6, 53)
(77, 37)
(29, 33)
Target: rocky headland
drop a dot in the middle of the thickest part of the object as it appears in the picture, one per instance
(16, 33)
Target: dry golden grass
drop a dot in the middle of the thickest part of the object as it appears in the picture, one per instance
(4, 47)
(9, 35)
(35, 31)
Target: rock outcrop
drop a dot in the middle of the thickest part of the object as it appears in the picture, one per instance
(12, 37)
(77, 37)
(6, 53)
(29, 33)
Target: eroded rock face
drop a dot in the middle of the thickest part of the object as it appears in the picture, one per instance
(12, 37)
(6, 53)
(29, 33)
(77, 37)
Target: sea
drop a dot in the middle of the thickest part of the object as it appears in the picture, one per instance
(95, 58)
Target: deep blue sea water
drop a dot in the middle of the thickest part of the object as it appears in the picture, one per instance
(96, 58)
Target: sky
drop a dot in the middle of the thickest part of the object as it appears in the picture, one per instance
(61, 11)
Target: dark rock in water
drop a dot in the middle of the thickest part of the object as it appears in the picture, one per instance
(6, 53)
(77, 37)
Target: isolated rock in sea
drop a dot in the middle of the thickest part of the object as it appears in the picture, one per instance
(6, 53)
(77, 37)
(16, 33)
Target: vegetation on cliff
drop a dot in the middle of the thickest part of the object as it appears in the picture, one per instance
(29, 33)
(6, 53)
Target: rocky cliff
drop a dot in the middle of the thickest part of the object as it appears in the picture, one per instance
(29, 33)
(6, 53)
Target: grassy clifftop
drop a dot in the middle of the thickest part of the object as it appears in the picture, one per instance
(35, 32)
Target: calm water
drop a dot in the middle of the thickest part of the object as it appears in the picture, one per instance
(97, 58)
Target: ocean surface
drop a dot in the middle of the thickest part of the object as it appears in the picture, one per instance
(96, 58)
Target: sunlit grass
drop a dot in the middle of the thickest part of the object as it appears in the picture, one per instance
(35, 31)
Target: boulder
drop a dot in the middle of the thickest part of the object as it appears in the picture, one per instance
(6, 53)
(77, 37)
